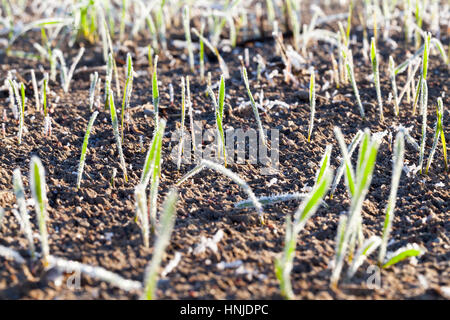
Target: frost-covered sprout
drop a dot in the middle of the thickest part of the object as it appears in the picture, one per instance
(438, 44)
(307, 208)
(292, 9)
(12, 93)
(44, 94)
(410, 250)
(183, 115)
(358, 182)
(223, 66)
(37, 185)
(68, 75)
(152, 169)
(439, 131)
(187, 34)
(191, 112)
(423, 107)
(108, 47)
(164, 232)
(115, 126)
(150, 58)
(230, 174)
(283, 265)
(108, 79)
(21, 203)
(127, 92)
(36, 90)
(21, 111)
(423, 75)
(122, 20)
(202, 53)
(376, 76)
(152, 28)
(399, 151)
(312, 104)
(394, 85)
(219, 109)
(142, 212)
(92, 89)
(254, 106)
(351, 148)
(84, 148)
(351, 74)
(155, 91)
(365, 250)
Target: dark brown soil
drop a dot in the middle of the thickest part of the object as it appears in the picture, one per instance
(95, 225)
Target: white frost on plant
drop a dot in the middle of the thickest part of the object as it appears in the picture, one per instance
(172, 264)
(98, 273)
(11, 254)
(229, 265)
(209, 243)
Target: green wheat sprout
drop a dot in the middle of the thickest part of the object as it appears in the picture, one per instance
(108, 79)
(164, 232)
(439, 131)
(394, 85)
(22, 111)
(37, 185)
(351, 148)
(254, 106)
(36, 90)
(284, 264)
(351, 74)
(44, 94)
(84, 148)
(312, 103)
(399, 151)
(423, 75)
(223, 66)
(127, 92)
(187, 34)
(358, 181)
(365, 250)
(410, 250)
(115, 126)
(202, 53)
(152, 170)
(142, 212)
(423, 107)
(183, 115)
(376, 76)
(92, 90)
(219, 110)
(191, 112)
(155, 91)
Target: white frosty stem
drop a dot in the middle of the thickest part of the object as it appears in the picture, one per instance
(21, 203)
(37, 185)
(98, 273)
(230, 174)
(369, 246)
(11, 254)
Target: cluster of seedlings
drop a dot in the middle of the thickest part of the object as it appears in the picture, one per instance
(95, 20)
